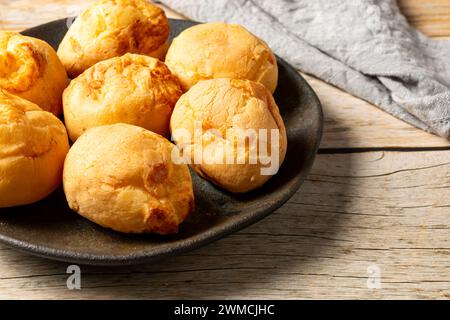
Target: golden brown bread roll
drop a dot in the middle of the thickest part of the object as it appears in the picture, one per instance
(122, 177)
(33, 145)
(132, 89)
(215, 118)
(30, 68)
(220, 50)
(111, 28)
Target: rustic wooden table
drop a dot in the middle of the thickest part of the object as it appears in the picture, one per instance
(377, 202)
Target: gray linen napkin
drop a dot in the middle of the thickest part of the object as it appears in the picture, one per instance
(365, 47)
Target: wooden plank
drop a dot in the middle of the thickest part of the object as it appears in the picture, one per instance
(21, 14)
(432, 17)
(385, 210)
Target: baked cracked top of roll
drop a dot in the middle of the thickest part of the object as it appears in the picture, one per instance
(111, 28)
(133, 89)
(30, 68)
(231, 132)
(20, 63)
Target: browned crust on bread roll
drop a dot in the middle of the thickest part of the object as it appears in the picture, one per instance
(225, 108)
(133, 89)
(111, 28)
(221, 50)
(122, 177)
(30, 68)
(33, 145)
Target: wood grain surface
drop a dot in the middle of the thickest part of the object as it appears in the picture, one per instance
(385, 210)
(377, 199)
(432, 17)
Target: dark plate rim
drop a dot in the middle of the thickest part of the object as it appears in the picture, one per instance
(196, 241)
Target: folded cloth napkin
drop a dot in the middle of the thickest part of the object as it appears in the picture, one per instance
(365, 47)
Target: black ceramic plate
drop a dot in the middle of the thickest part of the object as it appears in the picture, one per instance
(50, 229)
